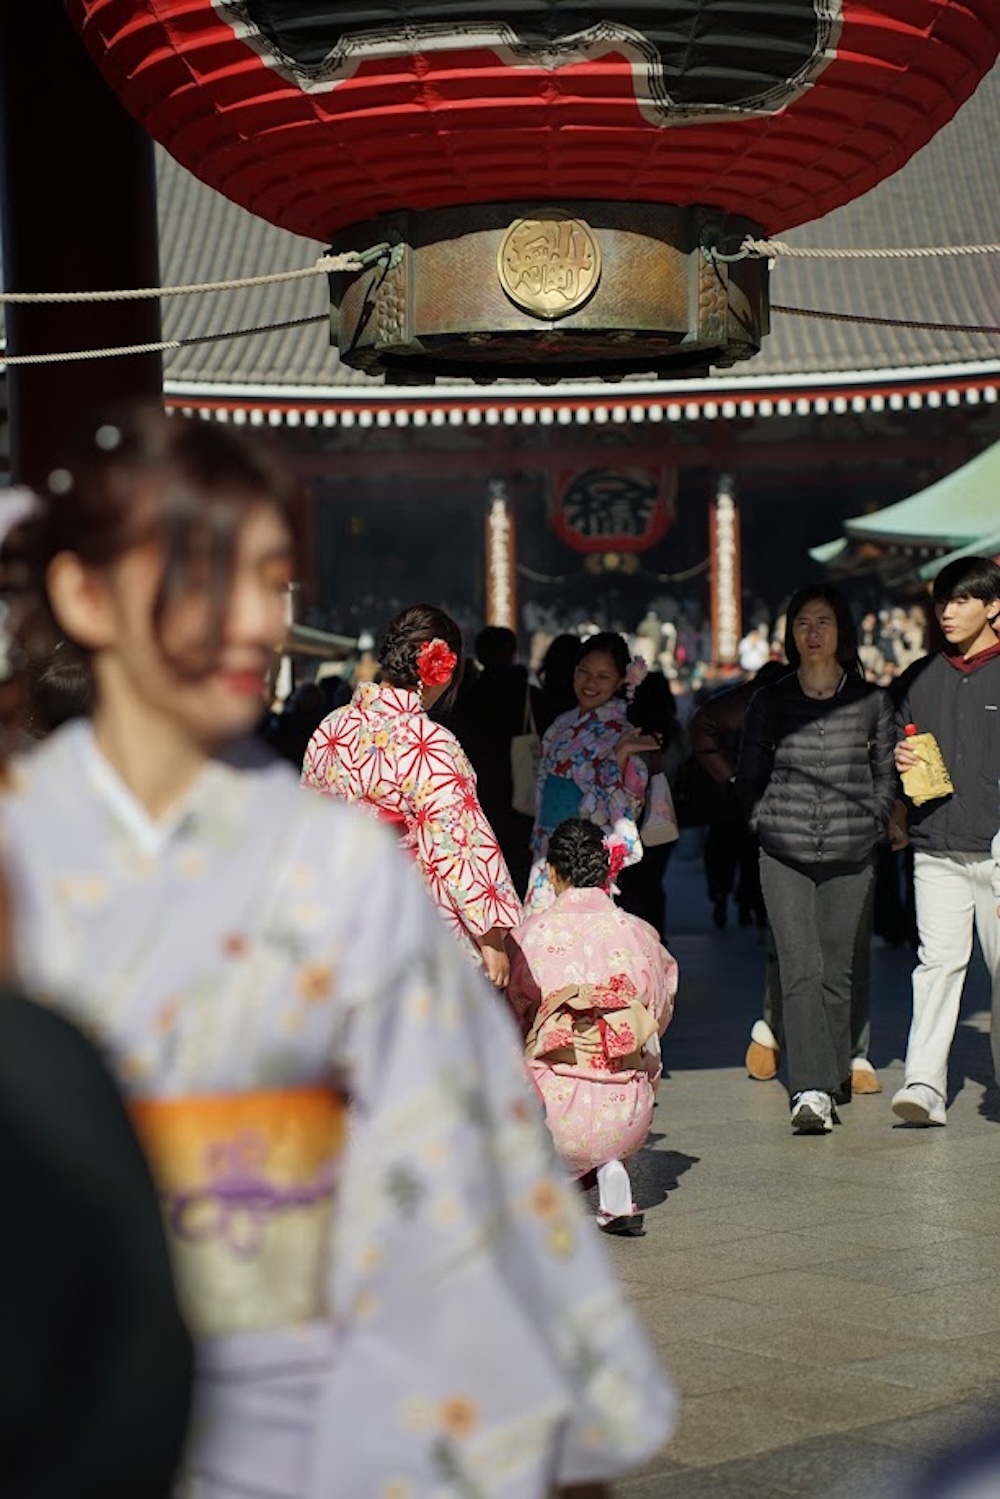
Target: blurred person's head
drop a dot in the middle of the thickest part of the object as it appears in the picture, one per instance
(420, 626)
(578, 857)
(59, 689)
(558, 665)
(599, 674)
(307, 698)
(496, 648)
(18, 517)
(967, 602)
(819, 628)
(645, 649)
(653, 707)
(366, 667)
(166, 550)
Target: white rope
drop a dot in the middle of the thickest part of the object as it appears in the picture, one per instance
(69, 355)
(770, 248)
(352, 261)
(356, 261)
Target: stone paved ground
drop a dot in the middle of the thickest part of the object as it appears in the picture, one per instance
(829, 1306)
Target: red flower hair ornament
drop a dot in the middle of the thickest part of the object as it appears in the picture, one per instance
(617, 852)
(435, 663)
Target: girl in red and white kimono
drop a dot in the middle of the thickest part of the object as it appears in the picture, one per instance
(383, 752)
(593, 990)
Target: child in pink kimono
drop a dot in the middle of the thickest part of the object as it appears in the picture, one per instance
(593, 990)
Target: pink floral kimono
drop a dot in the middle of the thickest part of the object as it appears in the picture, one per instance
(593, 990)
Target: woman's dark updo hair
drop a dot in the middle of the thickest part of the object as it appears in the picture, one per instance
(577, 853)
(611, 644)
(405, 635)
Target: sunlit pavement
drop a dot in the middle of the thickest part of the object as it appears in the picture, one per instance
(829, 1306)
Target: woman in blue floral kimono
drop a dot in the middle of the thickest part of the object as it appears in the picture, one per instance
(589, 765)
(391, 1285)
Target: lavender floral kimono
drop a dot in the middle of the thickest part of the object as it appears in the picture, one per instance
(579, 776)
(391, 1284)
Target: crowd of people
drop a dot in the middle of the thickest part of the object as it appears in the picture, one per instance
(673, 635)
(372, 1020)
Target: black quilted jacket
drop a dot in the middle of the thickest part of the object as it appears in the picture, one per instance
(963, 710)
(816, 777)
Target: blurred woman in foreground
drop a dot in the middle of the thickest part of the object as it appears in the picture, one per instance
(411, 1303)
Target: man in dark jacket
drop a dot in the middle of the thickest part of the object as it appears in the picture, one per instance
(730, 848)
(954, 695)
(493, 706)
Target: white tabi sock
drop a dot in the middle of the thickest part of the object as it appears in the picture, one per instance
(614, 1189)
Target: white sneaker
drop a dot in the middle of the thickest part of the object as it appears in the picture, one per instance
(812, 1113)
(919, 1103)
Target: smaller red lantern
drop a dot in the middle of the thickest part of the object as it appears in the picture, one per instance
(614, 509)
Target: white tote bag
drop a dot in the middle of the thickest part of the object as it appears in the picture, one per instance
(525, 753)
(659, 821)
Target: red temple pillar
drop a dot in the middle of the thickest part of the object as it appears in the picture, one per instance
(724, 573)
(79, 214)
(501, 559)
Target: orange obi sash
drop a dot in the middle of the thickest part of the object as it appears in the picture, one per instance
(247, 1183)
(600, 1026)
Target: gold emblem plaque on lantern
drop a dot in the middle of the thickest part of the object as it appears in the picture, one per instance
(550, 264)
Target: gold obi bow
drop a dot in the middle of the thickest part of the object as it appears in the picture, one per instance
(246, 1181)
(600, 1026)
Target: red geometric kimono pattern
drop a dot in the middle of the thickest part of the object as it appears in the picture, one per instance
(383, 752)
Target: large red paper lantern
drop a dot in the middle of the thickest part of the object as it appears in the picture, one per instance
(321, 116)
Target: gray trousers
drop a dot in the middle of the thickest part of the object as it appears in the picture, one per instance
(815, 914)
(861, 1004)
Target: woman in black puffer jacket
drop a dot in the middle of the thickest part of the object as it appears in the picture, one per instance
(817, 780)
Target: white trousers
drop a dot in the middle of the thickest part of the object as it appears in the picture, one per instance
(954, 892)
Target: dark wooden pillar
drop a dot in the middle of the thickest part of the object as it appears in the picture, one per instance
(78, 214)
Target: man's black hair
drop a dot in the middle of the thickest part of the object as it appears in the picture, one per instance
(968, 578)
(496, 647)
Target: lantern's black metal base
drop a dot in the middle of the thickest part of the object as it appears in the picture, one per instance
(548, 292)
